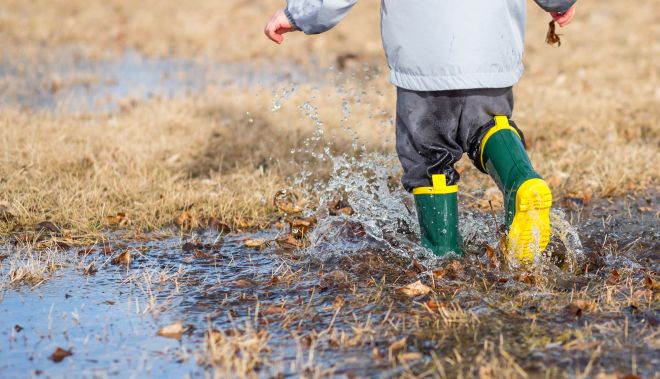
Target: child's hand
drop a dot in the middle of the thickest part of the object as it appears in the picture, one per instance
(278, 25)
(565, 18)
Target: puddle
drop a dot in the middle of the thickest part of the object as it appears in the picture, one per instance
(67, 80)
(342, 314)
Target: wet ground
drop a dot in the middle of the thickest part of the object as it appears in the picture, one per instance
(361, 299)
(71, 79)
(350, 311)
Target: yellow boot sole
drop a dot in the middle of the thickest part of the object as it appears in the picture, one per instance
(529, 232)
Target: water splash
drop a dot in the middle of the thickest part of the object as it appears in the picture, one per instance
(384, 215)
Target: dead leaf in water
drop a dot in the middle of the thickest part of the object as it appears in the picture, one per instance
(288, 241)
(409, 357)
(300, 226)
(174, 331)
(90, 269)
(59, 354)
(86, 251)
(273, 310)
(242, 283)
(415, 289)
(336, 278)
(339, 207)
(493, 262)
(285, 202)
(651, 283)
(614, 277)
(258, 243)
(123, 258)
(339, 302)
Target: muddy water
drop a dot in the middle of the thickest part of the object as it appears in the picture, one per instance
(69, 80)
(342, 312)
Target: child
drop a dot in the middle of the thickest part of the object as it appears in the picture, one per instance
(454, 63)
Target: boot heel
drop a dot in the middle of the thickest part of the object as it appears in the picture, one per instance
(529, 233)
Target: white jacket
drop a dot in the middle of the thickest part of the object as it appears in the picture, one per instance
(434, 45)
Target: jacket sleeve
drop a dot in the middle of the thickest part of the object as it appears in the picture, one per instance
(317, 16)
(555, 5)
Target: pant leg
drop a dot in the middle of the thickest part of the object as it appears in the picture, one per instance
(427, 126)
(479, 109)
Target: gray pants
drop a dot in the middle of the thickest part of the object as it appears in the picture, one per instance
(435, 128)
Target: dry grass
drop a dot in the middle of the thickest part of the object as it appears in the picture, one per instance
(235, 353)
(589, 110)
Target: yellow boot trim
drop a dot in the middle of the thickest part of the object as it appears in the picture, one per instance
(501, 123)
(529, 232)
(439, 187)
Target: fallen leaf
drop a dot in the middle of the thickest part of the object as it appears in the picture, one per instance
(454, 269)
(106, 249)
(117, 219)
(434, 305)
(613, 277)
(300, 226)
(408, 357)
(651, 283)
(285, 202)
(218, 225)
(339, 302)
(90, 269)
(242, 283)
(59, 354)
(578, 307)
(47, 226)
(415, 289)
(336, 278)
(255, 243)
(289, 241)
(439, 274)
(123, 258)
(186, 219)
(189, 246)
(174, 330)
(86, 251)
(339, 207)
(526, 277)
(552, 38)
(5, 215)
(272, 310)
(493, 262)
(396, 346)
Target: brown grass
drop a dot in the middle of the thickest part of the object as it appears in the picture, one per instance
(589, 110)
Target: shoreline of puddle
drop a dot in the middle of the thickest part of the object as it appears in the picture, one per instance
(328, 307)
(73, 81)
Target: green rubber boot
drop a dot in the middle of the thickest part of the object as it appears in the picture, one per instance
(437, 210)
(527, 197)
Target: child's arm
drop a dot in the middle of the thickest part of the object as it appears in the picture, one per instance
(310, 16)
(562, 11)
